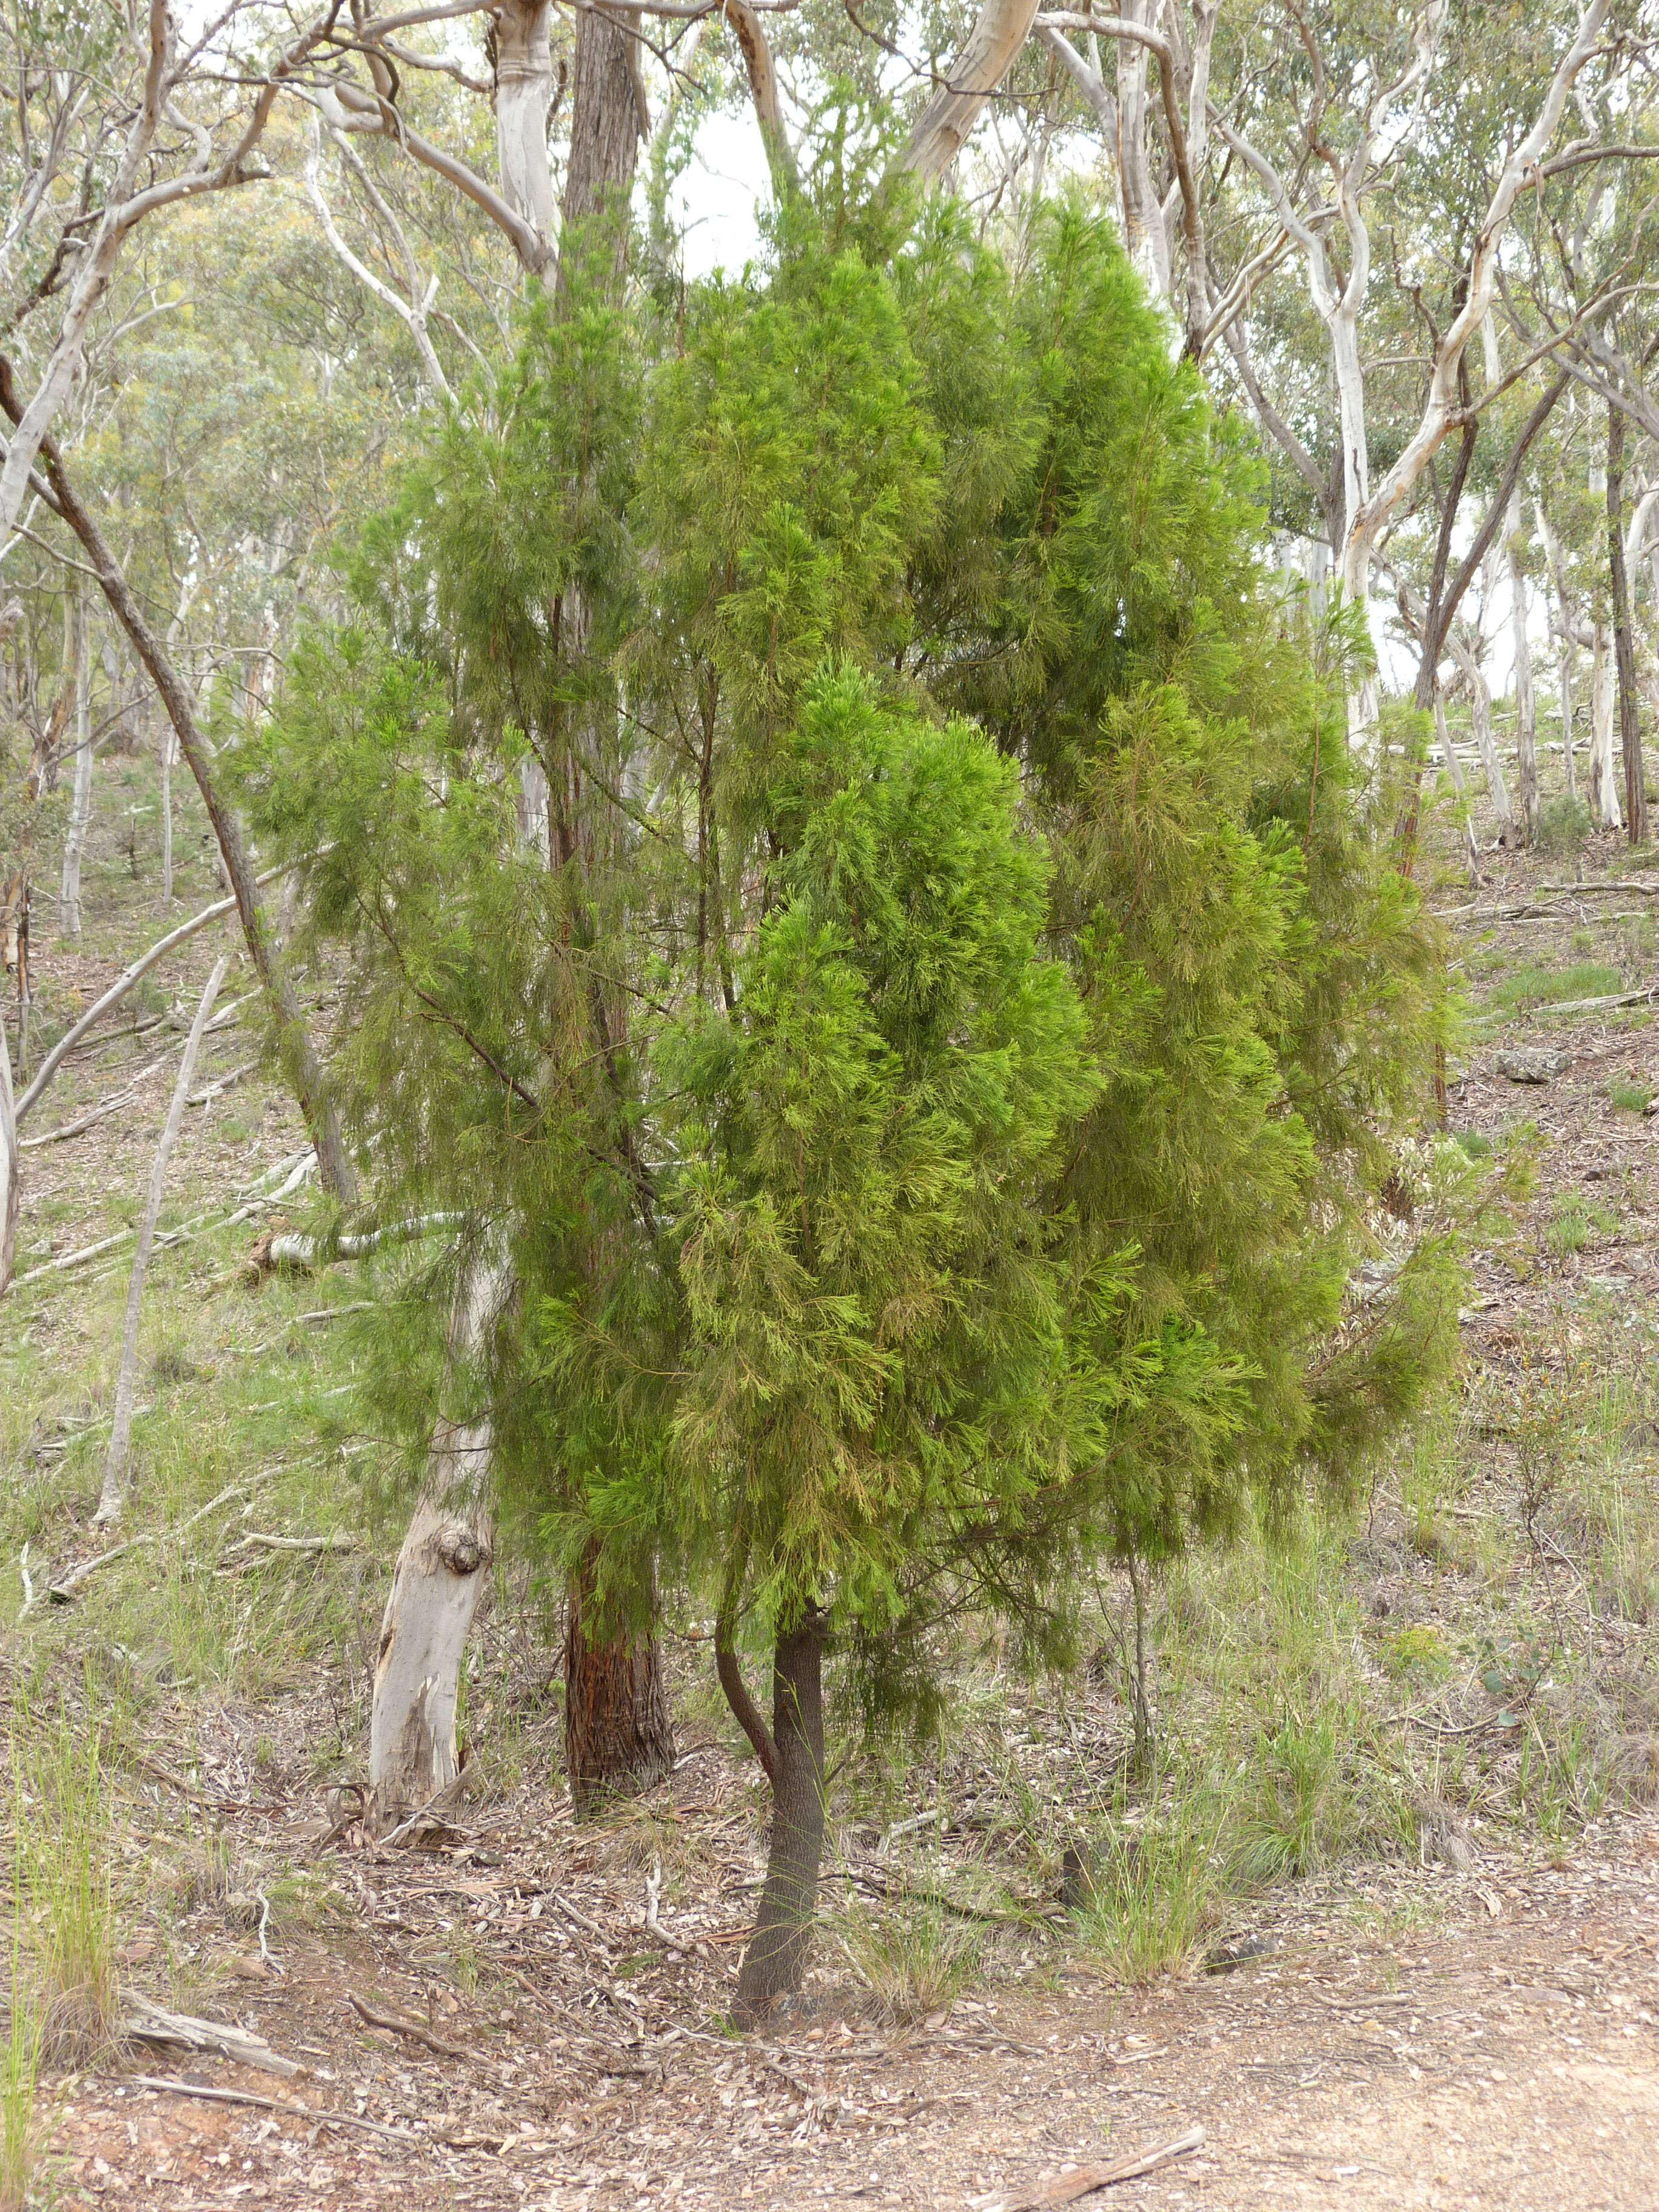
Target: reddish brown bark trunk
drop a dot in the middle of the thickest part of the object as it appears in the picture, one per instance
(618, 1738)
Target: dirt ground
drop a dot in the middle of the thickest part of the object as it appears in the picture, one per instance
(1500, 2049)
(1482, 2034)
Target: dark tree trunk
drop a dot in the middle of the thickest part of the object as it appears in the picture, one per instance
(607, 118)
(1629, 724)
(775, 1961)
(618, 1739)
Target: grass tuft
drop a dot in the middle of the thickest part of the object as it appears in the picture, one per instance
(913, 1957)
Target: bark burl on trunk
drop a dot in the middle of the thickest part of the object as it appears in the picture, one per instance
(618, 1739)
(791, 1753)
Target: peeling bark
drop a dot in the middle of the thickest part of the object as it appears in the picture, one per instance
(618, 1739)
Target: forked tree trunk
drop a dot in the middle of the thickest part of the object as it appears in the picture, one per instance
(413, 1751)
(774, 1963)
(1629, 718)
(75, 843)
(618, 1739)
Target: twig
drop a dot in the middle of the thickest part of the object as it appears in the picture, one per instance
(397, 2025)
(1068, 2187)
(210, 2096)
(265, 1922)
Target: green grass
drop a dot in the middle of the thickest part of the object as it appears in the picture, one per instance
(66, 1850)
(1148, 1889)
(1535, 985)
(912, 1955)
(1630, 1097)
(1574, 1223)
(21, 2129)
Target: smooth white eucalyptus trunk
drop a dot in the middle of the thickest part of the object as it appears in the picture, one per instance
(440, 1574)
(1000, 30)
(69, 894)
(1605, 811)
(524, 93)
(1525, 703)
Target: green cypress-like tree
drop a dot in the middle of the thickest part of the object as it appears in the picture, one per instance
(934, 1115)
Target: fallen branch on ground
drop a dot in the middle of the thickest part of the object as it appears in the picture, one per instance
(1602, 1006)
(62, 1592)
(1066, 2188)
(95, 1113)
(212, 1091)
(395, 2024)
(256, 1540)
(302, 1254)
(151, 2023)
(118, 990)
(206, 2095)
(170, 1236)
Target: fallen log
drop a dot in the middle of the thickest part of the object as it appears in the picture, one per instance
(152, 2023)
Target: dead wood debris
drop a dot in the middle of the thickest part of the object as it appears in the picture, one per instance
(1084, 2180)
(152, 2023)
(397, 2024)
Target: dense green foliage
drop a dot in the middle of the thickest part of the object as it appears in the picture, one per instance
(932, 1075)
